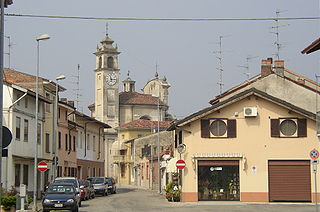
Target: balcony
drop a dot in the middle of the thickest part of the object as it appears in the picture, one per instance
(122, 159)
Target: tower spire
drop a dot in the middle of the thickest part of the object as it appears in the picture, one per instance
(107, 29)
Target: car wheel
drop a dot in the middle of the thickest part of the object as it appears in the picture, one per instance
(114, 191)
(44, 210)
(93, 196)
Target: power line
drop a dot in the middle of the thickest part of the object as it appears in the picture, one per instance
(159, 19)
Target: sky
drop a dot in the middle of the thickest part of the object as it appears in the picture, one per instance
(184, 52)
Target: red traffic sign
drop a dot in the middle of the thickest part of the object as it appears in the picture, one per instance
(314, 154)
(180, 164)
(42, 166)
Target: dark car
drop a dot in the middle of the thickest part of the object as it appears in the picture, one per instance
(100, 185)
(112, 188)
(72, 180)
(61, 196)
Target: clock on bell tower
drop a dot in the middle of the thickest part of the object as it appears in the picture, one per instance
(107, 83)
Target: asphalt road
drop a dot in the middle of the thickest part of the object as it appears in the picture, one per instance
(138, 200)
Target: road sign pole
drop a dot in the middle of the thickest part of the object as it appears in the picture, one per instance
(315, 164)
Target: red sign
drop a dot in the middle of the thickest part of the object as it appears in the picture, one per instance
(42, 166)
(314, 154)
(180, 164)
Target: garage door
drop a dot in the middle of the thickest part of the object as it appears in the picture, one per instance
(289, 181)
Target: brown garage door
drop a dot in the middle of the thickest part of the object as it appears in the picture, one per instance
(289, 181)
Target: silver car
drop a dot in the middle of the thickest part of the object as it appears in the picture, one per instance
(100, 185)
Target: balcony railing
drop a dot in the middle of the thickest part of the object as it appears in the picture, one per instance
(122, 159)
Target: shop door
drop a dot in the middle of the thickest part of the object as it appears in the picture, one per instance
(218, 180)
(289, 181)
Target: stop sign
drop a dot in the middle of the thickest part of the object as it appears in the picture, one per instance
(42, 166)
(180, 164)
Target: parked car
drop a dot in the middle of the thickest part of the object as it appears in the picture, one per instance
(84, 190)
(72, 180)
(61, 196)
(112, 188)
(100, 185)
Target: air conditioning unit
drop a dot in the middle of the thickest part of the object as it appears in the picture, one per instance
(250, 111)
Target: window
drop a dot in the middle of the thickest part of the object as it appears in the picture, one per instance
(100, 62)
(74, 143)
(94, 143)
(17, 175)
(26, 130)
(39, 133)
(47, 143)
(88, 142)
(59, 140)
(66, 142)
(70, 143)
(110, 62)
(288, 127)
(59, 112)
(66, 118)
(18, 128)
(218, 128)
(25, 174)
(80, 140)
(26, 102)
(47, 105)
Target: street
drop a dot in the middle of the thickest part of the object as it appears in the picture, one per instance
(132, 199)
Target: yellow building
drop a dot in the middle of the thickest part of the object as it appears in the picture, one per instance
(251, 146)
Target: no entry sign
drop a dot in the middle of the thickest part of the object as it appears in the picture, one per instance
(42, 166)
(180, 164)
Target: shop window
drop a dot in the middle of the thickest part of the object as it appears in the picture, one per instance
(288, 127)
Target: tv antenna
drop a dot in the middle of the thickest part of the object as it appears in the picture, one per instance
(77, 89)
(9, 50)
(220, 61)
(247, 67)
(277, 33)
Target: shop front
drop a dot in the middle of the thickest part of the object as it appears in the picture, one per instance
(218, 180)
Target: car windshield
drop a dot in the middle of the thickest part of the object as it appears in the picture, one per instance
(97, 180)
(66, 181)
(60, 189)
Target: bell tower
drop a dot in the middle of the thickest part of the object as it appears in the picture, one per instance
(107, 83)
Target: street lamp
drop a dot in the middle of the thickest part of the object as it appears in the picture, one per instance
(38, 39)
(55, 126)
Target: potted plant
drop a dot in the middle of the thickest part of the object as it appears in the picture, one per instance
(175, 176)
(173, 192)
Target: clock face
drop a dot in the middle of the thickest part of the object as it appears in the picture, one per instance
(111, 79)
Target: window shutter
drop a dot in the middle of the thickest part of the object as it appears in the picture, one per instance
(180, 137)
(205, 128)
(232, 128)
(176, 140)
(275, 127)
(302, 127)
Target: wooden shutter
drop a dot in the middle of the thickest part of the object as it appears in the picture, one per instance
(175, 140)
(180, 137)
(302, 127)
(232, 128)
(205, 133)
(275, 127)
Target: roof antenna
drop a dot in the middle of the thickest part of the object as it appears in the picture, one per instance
(77, 89)
(277, 33)
(10, 44)
(246, 66)
(156, 74)
(220, 59)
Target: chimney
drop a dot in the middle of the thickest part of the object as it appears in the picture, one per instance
(71, 103)
(278, 67)
(266, 67)
(64, 100)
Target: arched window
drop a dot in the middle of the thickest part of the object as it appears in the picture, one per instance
(145, 117)
(110, 62)
(100, 62)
